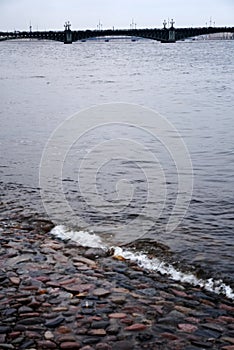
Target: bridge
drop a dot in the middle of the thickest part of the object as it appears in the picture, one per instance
(164, 35)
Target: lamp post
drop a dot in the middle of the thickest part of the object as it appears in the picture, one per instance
(99, 26)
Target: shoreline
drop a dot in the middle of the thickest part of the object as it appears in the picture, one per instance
(60, 295)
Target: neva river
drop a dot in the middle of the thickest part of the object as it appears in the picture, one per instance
(189, 83)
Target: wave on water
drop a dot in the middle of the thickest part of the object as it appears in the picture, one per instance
(84, 238)
(91, 240)
(155, 264)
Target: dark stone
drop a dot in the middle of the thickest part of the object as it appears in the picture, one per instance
(3, 276)
(55, 322)
(20, 328)
(190, 347)
(176, 314)
(5, 329)
(35, 328)
(70, 270)
(202, 344)
(99, 324)
(168, 320)
(10, 320)
(213, 327)
(113, 329)
(144, 336)
(206, 333)
(191, 303)
(134, 274)
(94, 253)
(123, 345)
(88, 311)
(9, 312)
(126, 285)
(110, 274)
(25, 309)
(103, 346)
(102, 301)
(31, 321)
(104, 310)
(2, 338)
(120, 269)
(201, 295)
(151, 292)
(6, 346)
(54, 301)
(4, 282)
(92, 297)
(90, 340)
(17, 340)
(26, 344)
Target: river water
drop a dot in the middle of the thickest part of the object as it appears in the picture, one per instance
(191, 84)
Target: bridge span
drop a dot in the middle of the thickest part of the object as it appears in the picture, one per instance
(164, 35)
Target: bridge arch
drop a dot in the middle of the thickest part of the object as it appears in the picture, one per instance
(153, 34)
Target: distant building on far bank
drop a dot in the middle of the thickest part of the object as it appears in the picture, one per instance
(217, 36)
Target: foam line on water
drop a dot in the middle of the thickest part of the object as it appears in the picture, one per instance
(91, 240)
(154, 264)
(84, 238)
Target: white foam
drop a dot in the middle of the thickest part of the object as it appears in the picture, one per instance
(88, 239)
(166, 269)
(84, 238)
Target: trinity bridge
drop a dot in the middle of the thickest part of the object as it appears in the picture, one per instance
(164, 35)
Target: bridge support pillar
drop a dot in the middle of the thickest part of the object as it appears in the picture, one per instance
(67, 33)
(172, 36)
(67, 37)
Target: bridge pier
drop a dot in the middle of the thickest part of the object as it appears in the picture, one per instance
(68, 37)
(67, 33)
(171, 37)
(171, 33)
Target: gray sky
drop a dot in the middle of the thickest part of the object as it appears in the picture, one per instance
(83, 14)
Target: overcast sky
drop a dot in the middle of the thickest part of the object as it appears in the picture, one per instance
(83, 14)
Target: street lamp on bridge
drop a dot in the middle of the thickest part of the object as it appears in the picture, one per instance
(133, 24)
(67, 25)
(99, 26)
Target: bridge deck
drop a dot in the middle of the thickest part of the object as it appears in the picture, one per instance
(164, 35)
